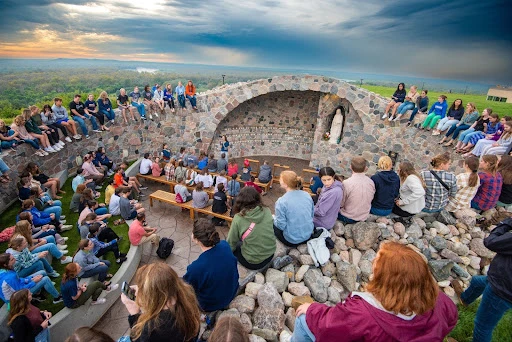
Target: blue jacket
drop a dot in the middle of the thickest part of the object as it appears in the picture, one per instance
(316, 184)
(104, 106)
(101, 159)
(202, 163)
(168, 94)
(214, 277)
(10, 283)
(439, 109)
(99, 245)
(39, 218)
(456, 113)
(387, 189)
(294, 213)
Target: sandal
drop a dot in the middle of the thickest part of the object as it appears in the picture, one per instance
(118, 222)
(107, 283)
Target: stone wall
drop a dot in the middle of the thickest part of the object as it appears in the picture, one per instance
(293, 103)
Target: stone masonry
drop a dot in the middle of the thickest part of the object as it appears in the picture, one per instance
(282, 116)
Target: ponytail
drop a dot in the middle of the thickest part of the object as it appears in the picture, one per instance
(472, 164)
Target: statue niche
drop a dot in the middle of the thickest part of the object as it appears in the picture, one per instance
(337, 126)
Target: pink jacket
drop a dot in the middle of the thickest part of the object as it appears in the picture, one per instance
(358, 320)
(90, 169)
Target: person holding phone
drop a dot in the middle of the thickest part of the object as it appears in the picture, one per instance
(27, 322)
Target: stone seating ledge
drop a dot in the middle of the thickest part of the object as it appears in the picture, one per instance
(67, 320)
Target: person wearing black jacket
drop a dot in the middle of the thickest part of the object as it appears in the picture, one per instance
(27, 322)
(387, 188)
(496, 286)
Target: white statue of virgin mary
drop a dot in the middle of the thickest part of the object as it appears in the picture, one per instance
(336, 126)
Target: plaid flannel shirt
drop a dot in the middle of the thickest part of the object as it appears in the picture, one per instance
(489, 191)
(436, 196)
(465, 193)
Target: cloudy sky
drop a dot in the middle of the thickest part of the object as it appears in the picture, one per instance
(460, 39)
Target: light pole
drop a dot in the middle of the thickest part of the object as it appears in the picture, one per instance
(223, 78)
(361, 84)
(465, 90)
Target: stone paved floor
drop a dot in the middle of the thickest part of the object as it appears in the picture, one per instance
(177, 225)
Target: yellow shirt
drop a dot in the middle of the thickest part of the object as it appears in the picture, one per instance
(109, 191)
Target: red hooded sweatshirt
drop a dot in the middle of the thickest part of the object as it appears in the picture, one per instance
(357, 319)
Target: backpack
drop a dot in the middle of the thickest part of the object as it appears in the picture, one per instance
(178, 198)
(165, 248)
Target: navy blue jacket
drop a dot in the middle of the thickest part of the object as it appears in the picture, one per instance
(399, 96)
(499, 275)
(387, 188)
(214, 277)
(456, 113)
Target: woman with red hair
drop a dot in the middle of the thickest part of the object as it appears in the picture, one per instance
(402, 303)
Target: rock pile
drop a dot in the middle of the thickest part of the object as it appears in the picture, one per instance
(453, 249)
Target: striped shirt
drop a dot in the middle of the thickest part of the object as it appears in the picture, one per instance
(436, 197)
(465, 193)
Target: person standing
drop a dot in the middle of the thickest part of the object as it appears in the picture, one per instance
(224, 147)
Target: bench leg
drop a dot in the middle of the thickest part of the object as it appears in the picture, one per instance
(192, 214)
(151, 201)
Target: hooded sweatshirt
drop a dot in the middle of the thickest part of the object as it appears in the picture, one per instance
(10, 283)
(387, 188)
(86, 260)
(328, 205)
(260, 244)
(361, 318)
(265, 174)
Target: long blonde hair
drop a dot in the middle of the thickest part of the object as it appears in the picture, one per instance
(103, 95)
(158, 286)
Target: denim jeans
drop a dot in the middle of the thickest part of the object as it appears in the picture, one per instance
(101, 271)
(56, 209)
(109, 114)
(491, 308)
(380, 212)
(3, 166)
(82, 125)
(140, 107)
(468, 136)
(43, 336)
(425, 210)
(192, 100)
(446, 123)
(456, 130)
(8, 143)
(301, 333)
(463, 135)
(50, 247)
(345, 219)
(44, 283)
(50, 238)
(404, 107)
(33, 142)
(181, 100)
(101, 211)
(40, 265)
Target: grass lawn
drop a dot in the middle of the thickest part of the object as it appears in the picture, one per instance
(463, 331)
(9, 219)
(501, 108)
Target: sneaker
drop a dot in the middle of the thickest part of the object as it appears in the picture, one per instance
(63, 221)
(67, 260)
(155, 114)
(50, 149)
(143, 188)
(97, 130)
(150, 117)
(61, 143)
(141, 194)
(121, 260)
(65, 251)
(143, 118)
(62, 216)
(66, 227)
(57, 147)
(57, 300)
(384, 116)
(65, 238)
(112, 288)
(77, 137)
(99, 301)
(40, 154)
(62, 247)
(121, 255)
(112, 122)
(40, 297)
(68, 139)
(54, 274)
(44, 152)
(396, 119)
(409, 124)
(110, 173)
(87, 137)
(97, 187)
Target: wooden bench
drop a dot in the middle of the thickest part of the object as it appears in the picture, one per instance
(160, 179)
(265, 186)
(170, 198)
(280, 168)
(254, 172)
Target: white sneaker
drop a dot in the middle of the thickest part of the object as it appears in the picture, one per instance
(112, 122)
(61, 143)
(112, 288)
(156, 114)
(77, 137)
(97, 130)
(390, 118)
(44, 152)
(150, 117)
(66, 227)
(62, 247)
(87, 137)
(384, 116)
(50, 149)
(63, 221)
(65, 238)
(99, 301)
(68, 139)
(40, 153)
(63, 216)
(67, 260)
(396, 119)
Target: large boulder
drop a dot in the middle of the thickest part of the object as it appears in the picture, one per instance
(268, 318)
(278, 278)
(439, 243)
(244, 304)
(269, 297)
(414, 231)
(477, 246)
(445, 217)
(347, 275)
(315, 282)
(441, 268)
(300, 273)
(252, 289)
(365, 234)
(299, 289)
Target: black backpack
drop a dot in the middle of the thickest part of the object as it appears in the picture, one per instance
(165, 248)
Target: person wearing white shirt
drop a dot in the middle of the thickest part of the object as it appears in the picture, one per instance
(204, 177)
(145, 165)
(114, 207)
(158, 97)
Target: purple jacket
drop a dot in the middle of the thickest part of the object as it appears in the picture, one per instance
(328, 205)
(357, 320)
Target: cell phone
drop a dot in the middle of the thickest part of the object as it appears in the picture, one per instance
(128, 291)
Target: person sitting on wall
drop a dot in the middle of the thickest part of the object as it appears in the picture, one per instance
(190, 91)
(397, 98)
(78, 113)
(139, 233)
(294, 211)
(358, 192)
